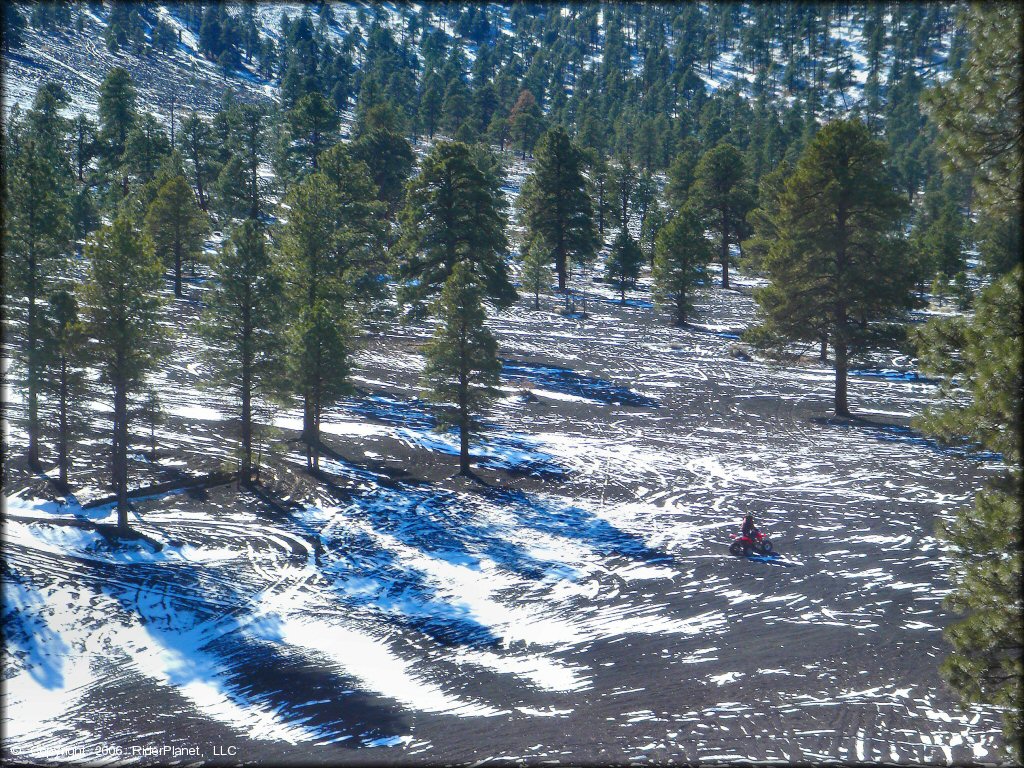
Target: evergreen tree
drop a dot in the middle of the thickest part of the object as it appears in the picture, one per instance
(999, 242)
(122, 296)
(197, 146)
(555, 204)
(536, 275)
(979, 360)
(761, 219)
(327, 248)
(430, 103)
(681, 173)
(978, 112)
(650, 227)
(13, 28)
(601, 182)
(624, 184)
(145, 148)
(838, 266)
(37, 233)
(525, 121)
(83, 144)
(242, 323)
(176, 226)
(117, 114)
(681, 256)
(312, 126)
(238, 183)
(63, 348)
(380, 145)
(454, 212)
(624, 262)
(462, 361)
(722, 189)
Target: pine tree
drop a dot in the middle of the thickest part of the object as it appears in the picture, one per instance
(145, 148)
(197, 146)
(312, 126)
(238, 184)
(242, 323)
(536, 275)
(624, 262)
(838, 267)
(14, 27)
(63, 348)
(37, 233)
(624, 184)
(380, 145)
(454, 212)
(84, 144)
(176, 226)
(681, 256)
(555, 203)
(117, 114)
(462, 361)
(761, 219)
(525, 121)
(329, 246)
(978, 112)
(122, 296)
(979, 361)
(430, 103)
(722, 189)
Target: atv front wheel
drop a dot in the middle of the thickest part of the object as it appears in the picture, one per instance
(766, 546)
(736, 548)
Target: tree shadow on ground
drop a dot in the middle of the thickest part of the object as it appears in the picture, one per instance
(569, 382)
(902, 433)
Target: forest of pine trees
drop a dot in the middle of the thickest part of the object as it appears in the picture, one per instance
(853, 211)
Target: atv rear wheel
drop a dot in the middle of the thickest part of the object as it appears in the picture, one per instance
(766, 545)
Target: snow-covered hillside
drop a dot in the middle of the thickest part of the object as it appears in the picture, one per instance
(79, 59)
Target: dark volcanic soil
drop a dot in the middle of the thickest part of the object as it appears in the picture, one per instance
(575, 603)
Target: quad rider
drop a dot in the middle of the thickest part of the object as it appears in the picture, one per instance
(749, 529)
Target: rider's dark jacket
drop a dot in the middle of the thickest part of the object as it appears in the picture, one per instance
(749, 529)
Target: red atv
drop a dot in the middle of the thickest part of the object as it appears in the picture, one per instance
(745, 545)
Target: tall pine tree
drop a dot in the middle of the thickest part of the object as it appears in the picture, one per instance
(454, 212)
(122, 295)
(242, 323)
(462, 357)
(555, 203)
(681, 256)
(838, 266)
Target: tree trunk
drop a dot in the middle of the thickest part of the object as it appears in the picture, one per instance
(725, 253)
(120, 464)
(560, 270)
(307, 427)
(177, 270)
(246, 468)
(62, 438)
(463, 420)
(33, 371)
(823, 352)
(536, 300)
(842, 406)
(680, 309)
